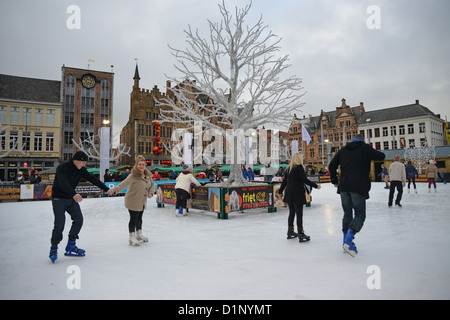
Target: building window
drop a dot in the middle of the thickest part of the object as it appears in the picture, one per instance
(68, 117)
(401, 129)
(70, 92)
(26, 116)
(104, 100)
(394, 144)
(377, 132)
(50, 122)
(14, 115)
(87, 98)
(38, 141)
(411, 128)
(49, 142)
(393, 130)
(38, 117)
(386, 145)
(385, 132)
(422, 142)
(412, 143)
(68, 136)
(349, 135)
(2, 140)
(140, 129)
(378, 145)
(422, 127)
(2, 114)
(87, 118)
(26, 140)
(140, 147)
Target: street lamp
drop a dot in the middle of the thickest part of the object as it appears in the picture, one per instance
(104, 147)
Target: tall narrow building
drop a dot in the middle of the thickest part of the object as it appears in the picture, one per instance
(87, 97)
(140, 133)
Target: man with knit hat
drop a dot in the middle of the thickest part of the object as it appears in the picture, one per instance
(66, 199)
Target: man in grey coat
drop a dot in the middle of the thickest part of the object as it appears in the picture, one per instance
(397, 174)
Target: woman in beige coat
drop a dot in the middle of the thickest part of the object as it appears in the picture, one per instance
(431, 174)
(140, 187)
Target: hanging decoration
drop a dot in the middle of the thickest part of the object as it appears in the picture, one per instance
(157, 149)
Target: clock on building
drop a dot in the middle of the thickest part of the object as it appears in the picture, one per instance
(88, 81)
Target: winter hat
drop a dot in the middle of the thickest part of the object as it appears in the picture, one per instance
(81, 156)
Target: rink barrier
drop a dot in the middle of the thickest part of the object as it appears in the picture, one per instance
(222, 200)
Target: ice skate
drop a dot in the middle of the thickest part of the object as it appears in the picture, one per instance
(291, 233)
(349, 245)
(302, 237)
(53, 253)
(133, 240)
(409, 190)
(415, 190)
(73, 250)
(179, 212)
(140, 237)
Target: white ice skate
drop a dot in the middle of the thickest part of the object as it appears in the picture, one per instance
(133, 240)
(140, 237)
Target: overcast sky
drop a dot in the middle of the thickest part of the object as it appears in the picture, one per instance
(329, 43)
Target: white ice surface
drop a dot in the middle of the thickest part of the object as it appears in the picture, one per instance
(244, 257)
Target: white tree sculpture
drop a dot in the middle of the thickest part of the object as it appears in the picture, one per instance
(237, 67)
(420, 157)
(91, 148)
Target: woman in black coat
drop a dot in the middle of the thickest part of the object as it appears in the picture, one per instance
(294, 186)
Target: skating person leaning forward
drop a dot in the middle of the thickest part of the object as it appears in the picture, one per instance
(140, 187)
(65, 199)
(182, 190)
(354, 185)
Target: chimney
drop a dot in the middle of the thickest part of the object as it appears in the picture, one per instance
(361, 107)
(417, 102)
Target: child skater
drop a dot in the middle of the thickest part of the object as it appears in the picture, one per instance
(140, 187)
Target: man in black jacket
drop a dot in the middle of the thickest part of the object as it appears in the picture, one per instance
(354, 185)
(65, 198)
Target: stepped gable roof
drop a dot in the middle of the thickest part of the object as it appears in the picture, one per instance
(29, 89)
(314, 124)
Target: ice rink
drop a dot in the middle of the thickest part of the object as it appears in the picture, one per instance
(403, 252)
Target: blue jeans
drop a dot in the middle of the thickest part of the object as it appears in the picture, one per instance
(60, 206)
(353, 202)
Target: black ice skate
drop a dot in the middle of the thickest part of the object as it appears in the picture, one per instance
(302, 237)
(291, 233)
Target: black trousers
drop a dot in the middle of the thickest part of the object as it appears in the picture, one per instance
(395, 185)
(182, 198)
(295, 209)
(135, 220)
(60, 207)
(413, 181)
